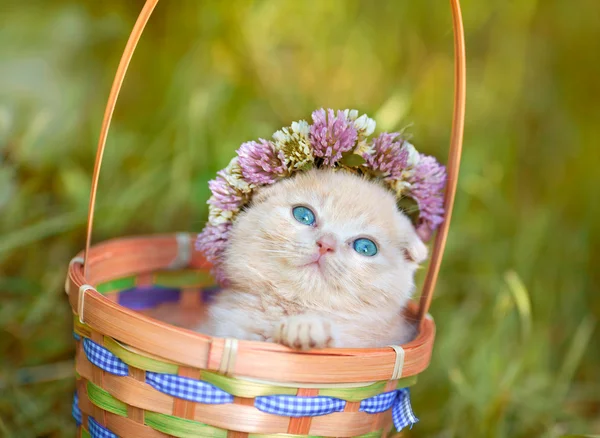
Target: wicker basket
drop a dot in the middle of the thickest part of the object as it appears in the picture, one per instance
(140, 377)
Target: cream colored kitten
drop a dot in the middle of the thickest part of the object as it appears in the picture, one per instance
(301, 277)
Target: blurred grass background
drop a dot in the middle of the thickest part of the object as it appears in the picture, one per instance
(517, 351)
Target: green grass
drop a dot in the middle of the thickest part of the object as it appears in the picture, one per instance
(517, 351)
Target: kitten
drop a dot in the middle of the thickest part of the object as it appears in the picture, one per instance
(323, 259)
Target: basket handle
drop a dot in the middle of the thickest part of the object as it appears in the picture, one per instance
(134, 37)
(452, 166)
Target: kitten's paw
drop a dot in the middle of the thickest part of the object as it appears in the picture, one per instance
(304, 332)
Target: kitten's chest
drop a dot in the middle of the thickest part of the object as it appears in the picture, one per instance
(275, 309)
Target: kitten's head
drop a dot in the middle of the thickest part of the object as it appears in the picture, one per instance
(325, 239)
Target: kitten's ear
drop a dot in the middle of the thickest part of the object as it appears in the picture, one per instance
(414, 249)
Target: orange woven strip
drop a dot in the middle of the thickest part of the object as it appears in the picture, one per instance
(184, 408)
(144, 279)
(243, 401)
(190, 298)
(301, 425)
(83, 400)
(353, 407)
(388, 422)
(85, 406)
(342, 424)
(379, 420)
(134, 413)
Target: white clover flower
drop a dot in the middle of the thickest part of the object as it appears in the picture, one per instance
(295, 144)
(364, 125)
(233, 175)
(364, 148)
(413, 155)
(216, 216)
(301, 128)
(400, 186)
(351, 114)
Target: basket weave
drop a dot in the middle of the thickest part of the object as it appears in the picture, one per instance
(140, 377)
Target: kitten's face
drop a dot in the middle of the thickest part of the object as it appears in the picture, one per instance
(325, 239)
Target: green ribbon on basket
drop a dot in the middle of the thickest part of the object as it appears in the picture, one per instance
(181, 427)
(175, 426)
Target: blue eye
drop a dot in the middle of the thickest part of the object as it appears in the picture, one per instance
(365, 247)
(304, 215)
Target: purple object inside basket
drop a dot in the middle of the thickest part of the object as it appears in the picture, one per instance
(147, 297)
(209, 293)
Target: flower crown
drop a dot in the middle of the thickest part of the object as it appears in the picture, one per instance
(334, 140)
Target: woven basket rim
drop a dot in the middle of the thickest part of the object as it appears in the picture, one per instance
(136, 254)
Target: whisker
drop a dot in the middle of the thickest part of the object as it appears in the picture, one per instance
(286, 251)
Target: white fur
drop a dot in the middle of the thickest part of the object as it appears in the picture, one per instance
(350, 300)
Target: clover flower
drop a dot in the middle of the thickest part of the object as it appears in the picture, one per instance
(426, 187)
(364, 125)
(387, 156)
(261, 163)
(212, 242)
(401, 183)
(295, 145)
(224, 196)
(233, 175)
(229, 192)
(331, 135)
(216, 216)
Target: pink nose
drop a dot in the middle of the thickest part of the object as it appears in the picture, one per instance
(326, 244)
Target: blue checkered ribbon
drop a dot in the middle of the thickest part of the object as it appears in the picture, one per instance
(103, 358)
(188, 389)
(285, 405)
(379, 403)
(292, 406)
(177, 386)
(402, 412)
(75, 411)
(98, 431)
(76, 336)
